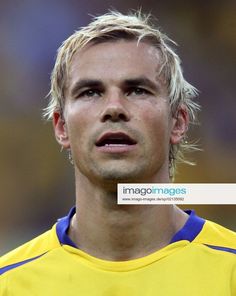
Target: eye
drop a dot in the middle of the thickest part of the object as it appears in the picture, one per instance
(90, 93)
(138, 91)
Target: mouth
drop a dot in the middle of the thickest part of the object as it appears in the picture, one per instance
(115, 142)
(115, 139)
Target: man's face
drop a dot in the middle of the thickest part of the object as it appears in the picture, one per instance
(117, 119)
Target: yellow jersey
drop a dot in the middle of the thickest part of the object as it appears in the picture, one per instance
(200, 260)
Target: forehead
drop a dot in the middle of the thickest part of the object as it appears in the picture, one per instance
(115, 60)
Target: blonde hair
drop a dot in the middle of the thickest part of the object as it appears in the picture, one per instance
(136, 26)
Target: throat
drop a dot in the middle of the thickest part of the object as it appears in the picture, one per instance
(126, 233)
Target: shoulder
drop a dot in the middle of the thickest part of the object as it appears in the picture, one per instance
(217, 237)
(29, 251)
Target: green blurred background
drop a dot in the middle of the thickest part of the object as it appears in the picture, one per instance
(36, 180)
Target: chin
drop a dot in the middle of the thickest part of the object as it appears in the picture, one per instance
(119, 176)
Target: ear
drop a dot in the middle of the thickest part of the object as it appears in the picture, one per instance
(60, 130)
(180, 124)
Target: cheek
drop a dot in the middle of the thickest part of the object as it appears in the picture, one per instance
(156, 121)
(76, 126)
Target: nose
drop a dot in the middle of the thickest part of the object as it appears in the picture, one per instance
(115, 109)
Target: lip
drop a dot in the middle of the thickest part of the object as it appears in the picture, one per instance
(116, 148)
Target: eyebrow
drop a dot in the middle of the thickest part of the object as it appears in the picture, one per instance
(138, 81)
(141, 81)
(83, 83)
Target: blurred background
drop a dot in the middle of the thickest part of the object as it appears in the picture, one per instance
(36, 180)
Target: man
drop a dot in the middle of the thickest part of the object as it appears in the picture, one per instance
(121, 107)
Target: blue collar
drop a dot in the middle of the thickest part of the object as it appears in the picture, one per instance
(188, 232)
(191, 228)
(62, 228)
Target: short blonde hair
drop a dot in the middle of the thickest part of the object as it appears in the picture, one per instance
(136, 26)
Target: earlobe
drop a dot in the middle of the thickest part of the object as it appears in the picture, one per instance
(179, 125)
(60, 130)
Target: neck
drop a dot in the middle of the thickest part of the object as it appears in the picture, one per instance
(114, 232)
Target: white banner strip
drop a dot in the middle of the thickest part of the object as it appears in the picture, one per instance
(181, 193)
